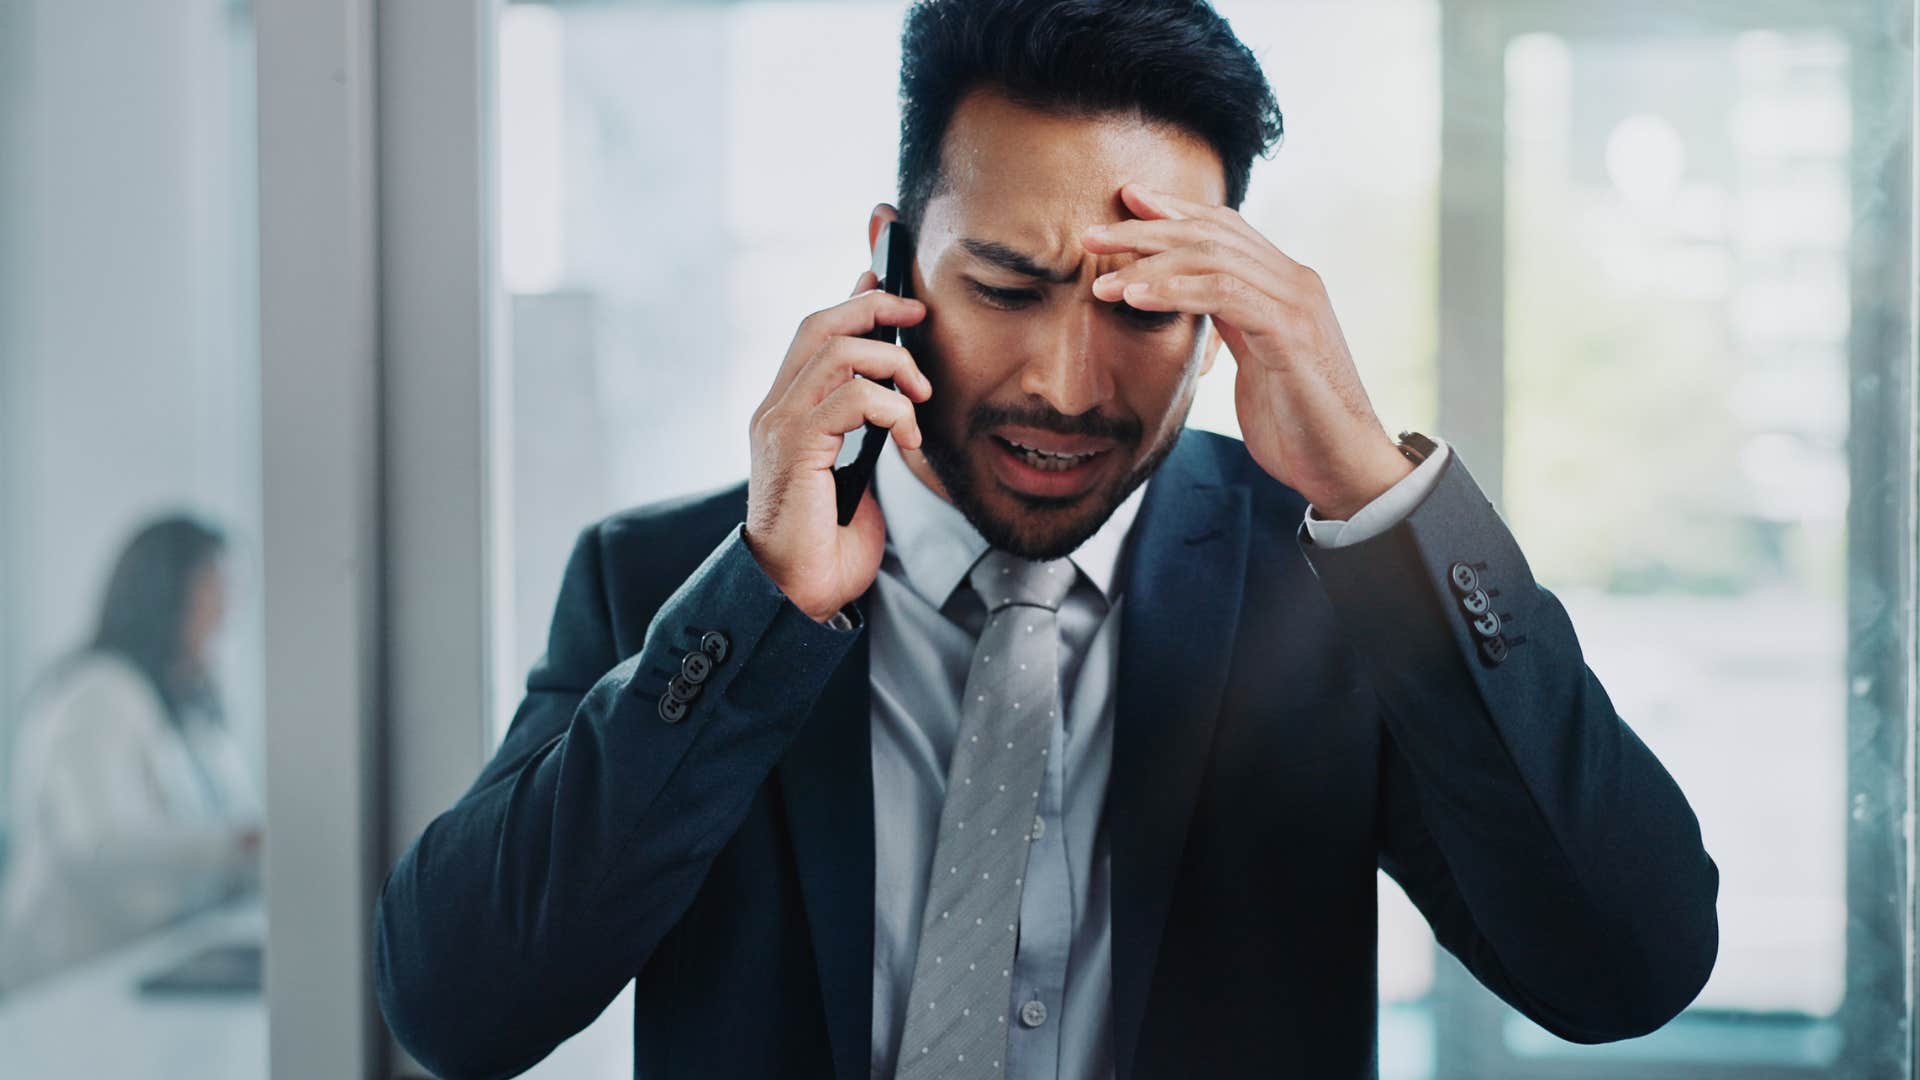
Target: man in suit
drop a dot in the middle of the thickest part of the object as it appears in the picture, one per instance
(1076, 752)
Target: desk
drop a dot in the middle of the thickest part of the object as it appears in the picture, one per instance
(92, 1020)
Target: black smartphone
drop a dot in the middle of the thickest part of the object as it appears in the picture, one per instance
(893, 265)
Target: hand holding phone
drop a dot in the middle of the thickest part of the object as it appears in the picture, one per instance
(892, 265)
(795, 526)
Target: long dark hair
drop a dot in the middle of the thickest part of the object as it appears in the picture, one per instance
(144, 611)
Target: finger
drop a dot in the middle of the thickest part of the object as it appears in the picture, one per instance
(865, 281)
(1152, 236)
(852, 317)
(1137, 198)
(1206, 257)
(1166, 204)
(856, 315)
(1222, 296)
(844, 357)
(859, 402)
(867, 519)
(1157, 203)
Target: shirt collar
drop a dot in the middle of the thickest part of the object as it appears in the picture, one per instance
(937, 545)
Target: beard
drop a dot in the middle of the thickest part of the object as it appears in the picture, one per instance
(1041, 527)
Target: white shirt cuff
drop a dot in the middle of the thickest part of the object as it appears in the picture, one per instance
(1384, 512)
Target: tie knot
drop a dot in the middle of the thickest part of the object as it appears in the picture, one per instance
(1002, 579)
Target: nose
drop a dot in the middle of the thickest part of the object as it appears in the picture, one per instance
(1063, 367)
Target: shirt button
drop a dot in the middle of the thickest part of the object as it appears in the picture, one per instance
(1033, 1014)
(1039, 828)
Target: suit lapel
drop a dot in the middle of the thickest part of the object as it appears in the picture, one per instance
(1181, 608)
(826, 780)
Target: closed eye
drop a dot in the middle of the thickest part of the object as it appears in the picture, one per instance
(1148, 320)
(1015, 299)
(1004, 299)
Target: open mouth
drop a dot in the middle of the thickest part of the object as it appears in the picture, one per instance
(1046, 460)
(1034, 471)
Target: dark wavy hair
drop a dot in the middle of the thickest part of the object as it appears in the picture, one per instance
(144, 611)
(1173, 61)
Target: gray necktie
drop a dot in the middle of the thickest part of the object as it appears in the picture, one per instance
(962, 974)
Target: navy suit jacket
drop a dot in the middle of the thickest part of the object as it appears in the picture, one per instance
(1287, 718)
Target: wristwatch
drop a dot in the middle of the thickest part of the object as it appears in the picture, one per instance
(1415, 446)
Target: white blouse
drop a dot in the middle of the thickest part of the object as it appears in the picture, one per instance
(117, 830)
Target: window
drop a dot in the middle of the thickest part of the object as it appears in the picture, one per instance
(1697, 455)
(131, 707)
(1646, 269)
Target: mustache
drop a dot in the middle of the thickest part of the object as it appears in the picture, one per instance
(985, 418)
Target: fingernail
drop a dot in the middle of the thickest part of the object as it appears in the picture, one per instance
(1098, 232)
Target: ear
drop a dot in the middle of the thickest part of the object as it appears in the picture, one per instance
(882, 214)
(1212, 348)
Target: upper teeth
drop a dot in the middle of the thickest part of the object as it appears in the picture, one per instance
(1051, 453)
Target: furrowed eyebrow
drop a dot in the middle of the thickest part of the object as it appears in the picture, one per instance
(1016, 261)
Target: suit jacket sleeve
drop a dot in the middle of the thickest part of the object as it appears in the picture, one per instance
(1386, 510)
(1547, 846)
(519, 913)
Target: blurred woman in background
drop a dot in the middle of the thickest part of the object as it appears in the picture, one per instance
(131, 804)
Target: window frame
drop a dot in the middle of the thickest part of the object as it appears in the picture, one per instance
(382, 551)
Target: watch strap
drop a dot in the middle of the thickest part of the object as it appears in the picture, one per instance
(1415, 446)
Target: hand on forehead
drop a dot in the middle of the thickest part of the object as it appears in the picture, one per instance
(1029, 181)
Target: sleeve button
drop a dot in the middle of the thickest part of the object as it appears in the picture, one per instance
(695, 667)
(682, 690)
(714, 644)
(1487, 625)
(672, 709)
(1494, 649)
(1475, 602)
(1463, 578)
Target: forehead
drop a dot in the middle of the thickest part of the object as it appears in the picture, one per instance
(1010, 169)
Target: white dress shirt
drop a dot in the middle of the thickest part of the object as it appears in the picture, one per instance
(923, 625)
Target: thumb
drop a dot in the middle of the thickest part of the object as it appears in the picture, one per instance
(868, 523)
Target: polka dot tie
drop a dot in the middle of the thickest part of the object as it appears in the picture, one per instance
(957, 1019)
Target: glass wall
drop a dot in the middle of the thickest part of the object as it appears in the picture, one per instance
(1677, 315)
(1700, 246)
(131, 723)
(1645, 268)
